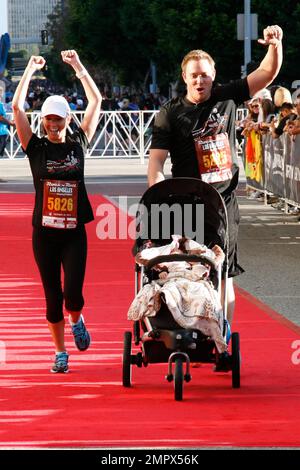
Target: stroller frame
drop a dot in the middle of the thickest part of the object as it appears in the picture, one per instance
(176, 345)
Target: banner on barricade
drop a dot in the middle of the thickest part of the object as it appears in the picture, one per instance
(267, 150)
(275, 166)
(254, 160)
(292, 169)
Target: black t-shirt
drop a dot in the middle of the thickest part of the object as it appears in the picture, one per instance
(179, 119)
(65, 161)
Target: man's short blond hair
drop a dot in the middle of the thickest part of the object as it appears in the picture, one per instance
(197, 54)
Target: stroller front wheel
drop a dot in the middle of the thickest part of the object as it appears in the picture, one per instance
(127, 359)
(178, 379)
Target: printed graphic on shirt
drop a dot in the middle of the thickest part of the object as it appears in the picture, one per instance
(70, 163)
(215, 124)
(213, 149)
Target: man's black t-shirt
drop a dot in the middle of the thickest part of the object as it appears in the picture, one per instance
(179, 119)
(62, 161)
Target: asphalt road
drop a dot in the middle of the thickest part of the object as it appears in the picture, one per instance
(269, 246)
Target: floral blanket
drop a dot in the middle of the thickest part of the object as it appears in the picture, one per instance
(192, 301)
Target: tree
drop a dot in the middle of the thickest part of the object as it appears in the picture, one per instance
(287, 15)
(206, 24)
(113, 35)
(122, 37)
(55, 69)
(126, 35)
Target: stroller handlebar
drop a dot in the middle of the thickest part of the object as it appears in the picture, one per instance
(181, 257)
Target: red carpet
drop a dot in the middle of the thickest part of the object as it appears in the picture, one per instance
(89, 407)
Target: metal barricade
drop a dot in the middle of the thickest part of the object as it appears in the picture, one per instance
(119, 134)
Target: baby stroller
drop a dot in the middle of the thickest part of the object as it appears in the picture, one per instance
(203, 217)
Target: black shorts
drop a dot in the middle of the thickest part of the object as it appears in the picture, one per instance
(233, 214)
(53, 249)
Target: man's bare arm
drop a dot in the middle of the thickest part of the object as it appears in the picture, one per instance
(156, 163)
(271, 64)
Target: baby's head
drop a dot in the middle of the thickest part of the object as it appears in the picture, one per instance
(181, 243)
(176, 251)
(196, 251)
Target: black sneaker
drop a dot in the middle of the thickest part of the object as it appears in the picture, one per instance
(224, 363)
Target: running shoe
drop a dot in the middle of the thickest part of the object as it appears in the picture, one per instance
(60, 365)
(81, 335)
(224, 363)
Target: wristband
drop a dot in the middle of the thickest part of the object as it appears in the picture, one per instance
(81, 74)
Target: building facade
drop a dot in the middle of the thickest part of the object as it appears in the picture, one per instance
(25, 21)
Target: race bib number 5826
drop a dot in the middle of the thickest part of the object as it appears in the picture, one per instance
(60, 204)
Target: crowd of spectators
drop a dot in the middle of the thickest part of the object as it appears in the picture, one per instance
(272, 112)
(119, 100)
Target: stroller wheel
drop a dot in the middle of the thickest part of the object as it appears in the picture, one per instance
(236, 359)
(127, 359)
(178, 379)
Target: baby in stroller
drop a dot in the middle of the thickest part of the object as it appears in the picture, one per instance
(186, 287)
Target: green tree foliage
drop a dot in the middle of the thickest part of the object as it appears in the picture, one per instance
(124, 36)
(207, 24)
(55, 69)
(287, 15)
(93, 29)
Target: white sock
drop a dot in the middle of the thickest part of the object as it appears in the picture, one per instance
(72, 323)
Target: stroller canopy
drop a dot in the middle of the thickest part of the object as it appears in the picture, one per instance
(182, 206)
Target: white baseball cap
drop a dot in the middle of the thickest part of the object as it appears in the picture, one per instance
(57, 105)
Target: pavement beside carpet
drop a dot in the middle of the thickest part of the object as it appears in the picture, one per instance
(18, 169)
